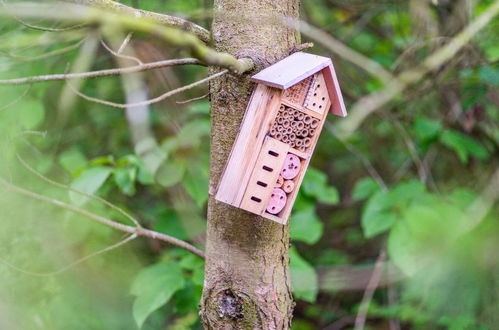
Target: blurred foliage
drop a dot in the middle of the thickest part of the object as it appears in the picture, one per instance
(405, 182)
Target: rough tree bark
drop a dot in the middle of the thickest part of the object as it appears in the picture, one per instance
(247, 281)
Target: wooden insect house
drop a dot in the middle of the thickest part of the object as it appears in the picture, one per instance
(277, 137)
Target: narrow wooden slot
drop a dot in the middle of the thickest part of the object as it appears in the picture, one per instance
(273, 153)
(260, 183)
(266, 168)
(256, 199)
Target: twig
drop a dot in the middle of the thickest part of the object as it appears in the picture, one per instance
(125, 43)
(193, 99)
(105, 221)
(300, 47)
(100, 73)
(117, 54)
(150, 101)
(77, 262)
(360, 320)
(162, 19)
(91, 196)
(140, 23)
(19, 98)
(46, 55)
(372, 102)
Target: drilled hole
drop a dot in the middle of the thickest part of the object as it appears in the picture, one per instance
(320, 106)
(256, 199)
(273, 153)
(313, 104)
(319, 85)
(323, 99)
(260, 183)
(266, 168)
(315, 94)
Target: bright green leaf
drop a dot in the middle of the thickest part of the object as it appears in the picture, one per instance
(304, 279)
(124, 177)
(153, 287)
(463, 145)
(306, 226)
(196, 181)
(315, 185)
(427, 129)
(72, 159)
(89, 181)
(377, 216)
(364, 188)
(170, 173)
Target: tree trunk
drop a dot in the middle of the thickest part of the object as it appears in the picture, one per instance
(247, 281)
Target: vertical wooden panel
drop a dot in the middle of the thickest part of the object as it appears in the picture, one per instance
(264, 176)
(318, 96)
(262, 107)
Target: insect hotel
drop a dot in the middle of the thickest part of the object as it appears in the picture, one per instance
(277, 137)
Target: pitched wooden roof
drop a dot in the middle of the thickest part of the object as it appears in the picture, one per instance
(299, 66)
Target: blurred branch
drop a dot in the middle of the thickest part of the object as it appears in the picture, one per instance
(360, 320)
(118, 53)
(139, 231)
(150, 101)
(370, 103)
(19, 98)
(75, 263)
(110, 21)
(100, 73)
(193, 99)
(48, 54)
(166, 20)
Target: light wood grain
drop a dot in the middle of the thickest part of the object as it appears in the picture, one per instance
(267, 169)
(261, 109)
(318, 97)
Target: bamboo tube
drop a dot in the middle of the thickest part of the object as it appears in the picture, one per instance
(306, 141)
(299, 142)
(311, 132)
(285, 139)
(300, 115)
(303, 149)
(286, 123)
(307, 119)
(300, 125)
(289, 130)
(304, 132)
(282, 107)
(293, 124)
(314, 123)
(280, 120)
(280, 128)
(292, 144)
(292, 137)
(288, 186)
(280, 181)
(273, 132)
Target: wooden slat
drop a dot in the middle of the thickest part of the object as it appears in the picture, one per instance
(338, 106)
(302, 109)
(262, 107)
(264, 176)
(291, 70)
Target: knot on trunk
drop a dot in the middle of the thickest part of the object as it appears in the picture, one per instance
(229, 305)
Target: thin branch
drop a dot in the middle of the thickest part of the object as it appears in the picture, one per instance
(165, 20)
(46, 55)
(140, 23)
(125, 43)
(372, 102)
(100, 73)
(19, 98)
(105, 221)
(42, 28)
(193, 99)
(150, 101)
(91, 196)
(75, 263)
(117, 54)
(360, 320)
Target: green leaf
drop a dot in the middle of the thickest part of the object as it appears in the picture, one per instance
(304, 279)
(89, 181)
(489, 75)
(427, 129)
(384, 208)
(170, 173)
(72, 159)
(306, 226)
(153, 287)
(192, 133)
(364, 188)
(124, 177)
(463, 145)
(196, 181)
(315, 185)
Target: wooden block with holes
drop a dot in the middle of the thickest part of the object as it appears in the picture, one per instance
(277, 137)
